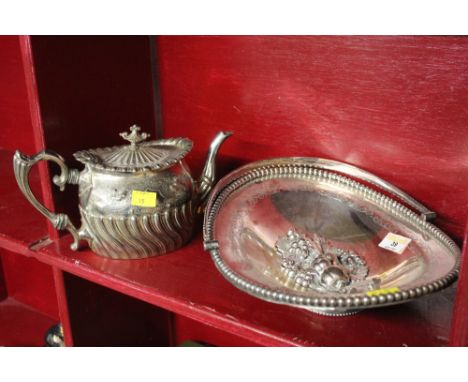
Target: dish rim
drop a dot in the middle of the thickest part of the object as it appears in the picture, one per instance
(324, 170)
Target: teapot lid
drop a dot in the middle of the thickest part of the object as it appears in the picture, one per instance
(138, 155)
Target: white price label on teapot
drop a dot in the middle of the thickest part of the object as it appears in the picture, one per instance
(395, 243)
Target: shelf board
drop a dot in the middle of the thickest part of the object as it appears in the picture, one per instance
(186, 282)
(20, 224)
(20, 325)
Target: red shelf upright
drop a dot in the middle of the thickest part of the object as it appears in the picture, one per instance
(391, 105)
(459, 328)
(28, 304)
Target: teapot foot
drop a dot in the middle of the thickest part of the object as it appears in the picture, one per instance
(334, 312)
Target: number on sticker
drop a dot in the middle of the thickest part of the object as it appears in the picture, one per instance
(395, 243)
(144, 199)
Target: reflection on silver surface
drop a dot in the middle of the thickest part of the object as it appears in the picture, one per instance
(115, 225)
(257, 213)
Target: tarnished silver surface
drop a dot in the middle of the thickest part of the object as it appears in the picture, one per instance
(111, 224)
(294, 231)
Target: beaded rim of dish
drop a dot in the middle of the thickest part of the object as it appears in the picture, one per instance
(308, 171)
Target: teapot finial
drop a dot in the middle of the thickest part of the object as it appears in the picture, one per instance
(134, 137)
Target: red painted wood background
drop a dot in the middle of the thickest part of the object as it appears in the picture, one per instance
(396, 106)
(15, 121)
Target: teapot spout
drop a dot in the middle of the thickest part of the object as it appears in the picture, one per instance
(207, 177)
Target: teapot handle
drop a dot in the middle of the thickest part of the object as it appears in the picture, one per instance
(22, 164)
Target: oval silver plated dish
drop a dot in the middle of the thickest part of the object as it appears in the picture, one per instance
(316, 234)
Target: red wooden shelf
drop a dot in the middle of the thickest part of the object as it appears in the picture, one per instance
(20, 325)
(20, 224)
(186, 282)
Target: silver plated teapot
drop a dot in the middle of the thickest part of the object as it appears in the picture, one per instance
(136, 200)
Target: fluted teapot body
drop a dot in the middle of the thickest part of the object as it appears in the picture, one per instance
(136, 200)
